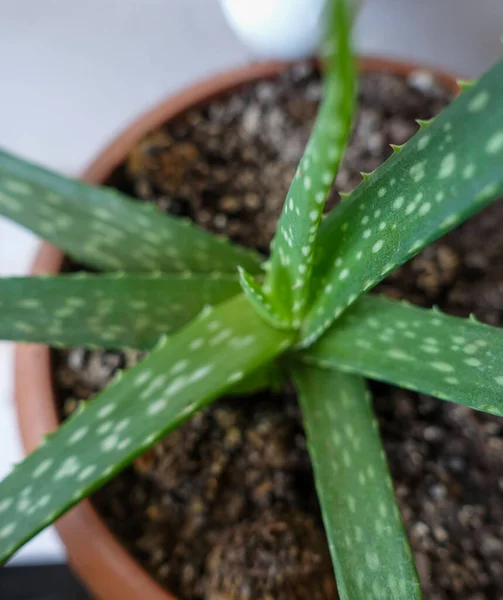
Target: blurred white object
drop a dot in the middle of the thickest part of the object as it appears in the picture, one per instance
(285, 29)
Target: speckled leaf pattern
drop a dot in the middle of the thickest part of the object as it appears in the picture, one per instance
(292, 250)
(422, 350)
(181, 375)
(104, 229)
(270, 377)
(105, 311)
(369, 547)
(449, 170)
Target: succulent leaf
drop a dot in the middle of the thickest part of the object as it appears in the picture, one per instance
(369, 547)
(209, 356)
(106, 311)
(423, 350)
(292, 251)
(263, 304)
(449, 170)
(271, 377)
(104, 229)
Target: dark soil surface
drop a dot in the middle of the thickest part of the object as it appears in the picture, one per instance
(225, 508)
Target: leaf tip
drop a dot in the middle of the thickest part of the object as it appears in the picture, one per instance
(423, 123)
(397, 148)
(465, 84)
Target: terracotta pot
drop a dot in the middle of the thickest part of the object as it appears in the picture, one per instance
(96, 556)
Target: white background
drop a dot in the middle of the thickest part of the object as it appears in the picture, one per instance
(73, 73)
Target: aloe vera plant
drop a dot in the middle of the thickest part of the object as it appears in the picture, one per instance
(216, 319)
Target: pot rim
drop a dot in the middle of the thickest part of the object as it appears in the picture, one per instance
(94, 553)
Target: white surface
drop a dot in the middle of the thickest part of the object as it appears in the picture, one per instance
(74, 73)
(461, 36)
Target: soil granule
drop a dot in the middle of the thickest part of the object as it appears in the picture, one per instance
(225, 508)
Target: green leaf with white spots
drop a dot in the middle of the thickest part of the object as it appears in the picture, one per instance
(369, 547)
(104, 229)
(270, 377)
(423, 350)
(449, 170)
(292, 250)
(264, 305)
(183, 374)
(106, 311)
